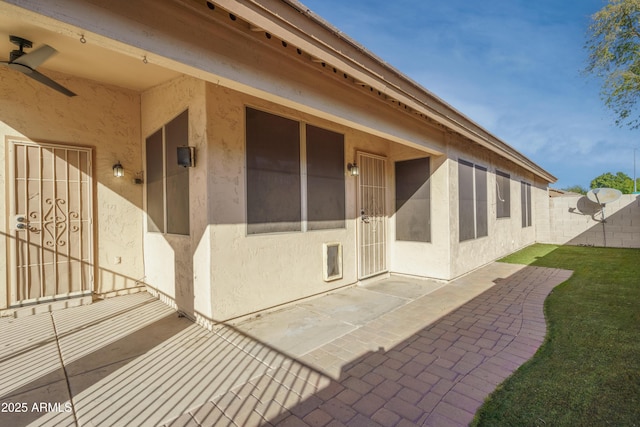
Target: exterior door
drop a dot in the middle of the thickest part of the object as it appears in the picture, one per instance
(51, 222)
(372, 223)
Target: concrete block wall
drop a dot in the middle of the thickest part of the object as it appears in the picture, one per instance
(575, 220)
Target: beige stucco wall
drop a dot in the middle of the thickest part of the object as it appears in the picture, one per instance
(505, 235)
(105, 119)
(575, 220)
(542, 218)
(426, 259)
(256, 272)
(176, 265)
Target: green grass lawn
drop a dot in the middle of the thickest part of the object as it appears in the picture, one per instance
(587, 373)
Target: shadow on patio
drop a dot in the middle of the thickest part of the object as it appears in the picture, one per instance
(128, 360)
(435, 374)
(132, 361)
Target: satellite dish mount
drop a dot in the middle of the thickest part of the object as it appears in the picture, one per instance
(602, 196)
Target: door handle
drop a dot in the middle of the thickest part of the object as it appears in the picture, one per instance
(365, 218)
(23, 224)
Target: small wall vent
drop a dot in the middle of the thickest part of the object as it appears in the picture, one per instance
(332, 261)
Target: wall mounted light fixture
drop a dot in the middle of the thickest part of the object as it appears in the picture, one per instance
(118, 170)
(353, 169)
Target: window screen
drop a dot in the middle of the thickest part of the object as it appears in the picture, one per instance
(325, 179)
(503, 195)
(482, 227)
(176, 135)
(413, 200)
(155, 184)
(472, 200)
(273, 173)
(466, 204)
(168, 183)
(525, 203)
(529, 215)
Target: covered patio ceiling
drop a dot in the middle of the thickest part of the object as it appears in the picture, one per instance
(88, 59)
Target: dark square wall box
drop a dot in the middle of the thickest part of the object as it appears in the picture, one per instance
(186, 157)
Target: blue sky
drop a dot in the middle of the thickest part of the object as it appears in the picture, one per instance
(512, 66)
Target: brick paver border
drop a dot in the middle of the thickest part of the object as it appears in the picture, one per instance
(438, 376)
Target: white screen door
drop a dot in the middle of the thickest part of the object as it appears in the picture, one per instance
(51, 222)
(372, 229)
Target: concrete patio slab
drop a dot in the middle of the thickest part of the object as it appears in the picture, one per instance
(97, 336)
(296, 330)
(355, 306)
(405, 287)
(181, 365)
(311, 324)
(131, 361)
(31, 371)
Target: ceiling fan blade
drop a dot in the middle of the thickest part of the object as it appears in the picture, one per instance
(35, 58)
(47, 81)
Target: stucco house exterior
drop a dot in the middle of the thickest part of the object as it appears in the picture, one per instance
(313, 164)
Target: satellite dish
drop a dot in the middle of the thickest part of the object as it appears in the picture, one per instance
(602, 196)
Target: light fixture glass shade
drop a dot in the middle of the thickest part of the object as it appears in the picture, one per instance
(118, 170)
(353, 169)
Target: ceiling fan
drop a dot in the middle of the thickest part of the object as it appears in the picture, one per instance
(26, 63)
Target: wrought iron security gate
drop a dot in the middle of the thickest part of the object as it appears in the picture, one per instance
(372, 224)
(51, 222)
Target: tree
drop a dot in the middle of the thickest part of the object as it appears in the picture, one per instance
(620, 181)
(576, 189)
(614, 55)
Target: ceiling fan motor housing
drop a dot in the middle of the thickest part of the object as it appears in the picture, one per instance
(22, 44)
(19, 41)
(15, 54)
